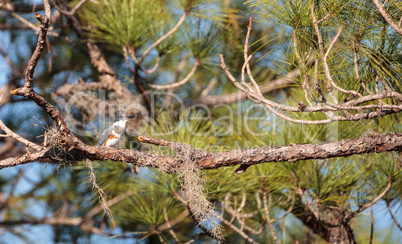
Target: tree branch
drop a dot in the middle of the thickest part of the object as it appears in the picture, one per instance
(393, 217)
(78, 151)
(372, 202)
(24, 141)
(160, 40)
(180, 83)
(387, 17)
(277, 84)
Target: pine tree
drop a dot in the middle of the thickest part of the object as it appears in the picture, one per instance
(257, 121)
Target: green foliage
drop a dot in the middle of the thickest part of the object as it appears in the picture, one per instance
(212, 28)
(125, 22)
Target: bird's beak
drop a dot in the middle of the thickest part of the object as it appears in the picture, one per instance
(131, 116)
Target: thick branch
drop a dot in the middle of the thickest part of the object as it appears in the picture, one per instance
(78, 151)
(292, 153)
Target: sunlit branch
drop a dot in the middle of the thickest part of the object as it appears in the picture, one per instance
(153, 69)
(20, 139)
(180, 83)
(327, 71)
(162, 38)
(372, 202)
(387, 17)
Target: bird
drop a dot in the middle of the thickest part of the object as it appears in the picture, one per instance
(114, 133)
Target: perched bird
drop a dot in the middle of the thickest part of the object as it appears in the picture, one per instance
(112, 135)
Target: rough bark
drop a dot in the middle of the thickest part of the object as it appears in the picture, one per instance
(73, 149)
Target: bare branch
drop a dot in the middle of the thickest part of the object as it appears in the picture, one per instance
(55, 221)
(169, 226)
(245, 57)
(256, 96)
(209, 88)
(387, 17)
(127, 60)
(239, 231)
(327, 72)
(153, 69)
(264, 198)
(45, 22)
(393, 217)
(160, 40)
(212, 100)
(372, 202)
(325, 17)
(26, 158)
(72, 11)
(271, 105)
(292, 153)
(24, 141)
(180, 83)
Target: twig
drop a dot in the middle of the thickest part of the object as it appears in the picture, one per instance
(32, 26)
(321, 50)
(317, 30)
(176, 220)
(240, 232)
(349, 231)
(169, 226)
(271, 105)
(308, 204)
(372, 202)
(153, 69)
(180, 83)
(160, 40)
(325, 17)
(15, 136)
(250, 76)
(264, 199)
(288, 211)
(392, 216)
(132, 54)
(371, 225)
(209, 88)
(110, 203)
(72, 11)
(45, 21)
(127, 60)
(327, 72)
(161, 240)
